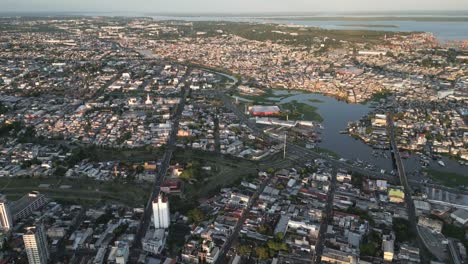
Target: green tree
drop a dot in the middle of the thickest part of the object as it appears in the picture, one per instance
(195, 215)
(140, 169)
(262, 253)
(244, 250)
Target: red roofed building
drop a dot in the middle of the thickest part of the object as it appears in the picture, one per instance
(171, 186)
(263, 110)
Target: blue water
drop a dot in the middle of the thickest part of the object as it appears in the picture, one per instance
(442, 30)
(336, 116)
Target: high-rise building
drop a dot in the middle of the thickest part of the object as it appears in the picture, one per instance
(161, 212)
(35, 244)
(6, 221)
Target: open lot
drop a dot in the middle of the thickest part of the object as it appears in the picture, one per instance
(448, 178)
(78, 191)
(225, 171)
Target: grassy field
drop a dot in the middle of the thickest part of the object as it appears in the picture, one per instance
(448, 178)
(327, 152)
(130, 155)
(80, 191)
(302, 111)
(225, 171)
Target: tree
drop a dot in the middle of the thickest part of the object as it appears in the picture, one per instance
(244, 250)
(262, 253)
(195, 215)
(402, 231)
(277, 246)
(140, 169)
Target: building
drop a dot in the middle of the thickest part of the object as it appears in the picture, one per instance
(264, 110)
(148, 100)
(432, 224)
(154, 241)
(6, 220)
(337, 257)
(161, 212)
(388, 250)
(35, 244)
(460, 215)
(409, 254)
(119, 253)
(27, 204)
(396, 196)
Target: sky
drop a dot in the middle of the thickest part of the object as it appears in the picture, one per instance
(229, 6)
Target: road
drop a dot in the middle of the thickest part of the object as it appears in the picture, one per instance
(407, 190)
(328, 216)
(162, 169)
(235, 233)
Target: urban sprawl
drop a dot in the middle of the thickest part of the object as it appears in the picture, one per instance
(132, 140)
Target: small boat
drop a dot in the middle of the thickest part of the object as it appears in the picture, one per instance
(441, 163)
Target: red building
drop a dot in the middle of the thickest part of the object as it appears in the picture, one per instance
(264, 110)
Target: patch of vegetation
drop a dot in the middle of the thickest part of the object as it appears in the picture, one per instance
(192, 171)
(372, 245)
(120, 230)
(449, 179)
(327, 152)
(402, 230)
(370, 25)
(80, 154)
(7, 128)
(291, 36)
(364, 215)
(455, 232)
(181, 205)
(357, 179)
(376, 97)
(302, 111)
(196, 215)
(176, 238)
(225, 171)
(312, 100)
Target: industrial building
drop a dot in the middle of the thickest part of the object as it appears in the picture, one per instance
(264, 110)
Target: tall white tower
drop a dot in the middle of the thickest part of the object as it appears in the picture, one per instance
(148, 100)
(6, 221)
(35, 244)
(161, 212)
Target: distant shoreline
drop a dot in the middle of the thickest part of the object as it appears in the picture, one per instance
(370, 26)
(374, 18)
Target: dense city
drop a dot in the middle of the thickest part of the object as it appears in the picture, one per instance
(135, 140)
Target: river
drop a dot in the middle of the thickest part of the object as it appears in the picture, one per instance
(336, 115)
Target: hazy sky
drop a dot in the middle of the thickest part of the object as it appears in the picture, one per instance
(228, 6)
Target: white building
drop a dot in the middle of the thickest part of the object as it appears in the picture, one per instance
(119, 253)
(161, 212)
(154, 241)
(388, 249)
(35, 244)
(6, 221)
(148, 100)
